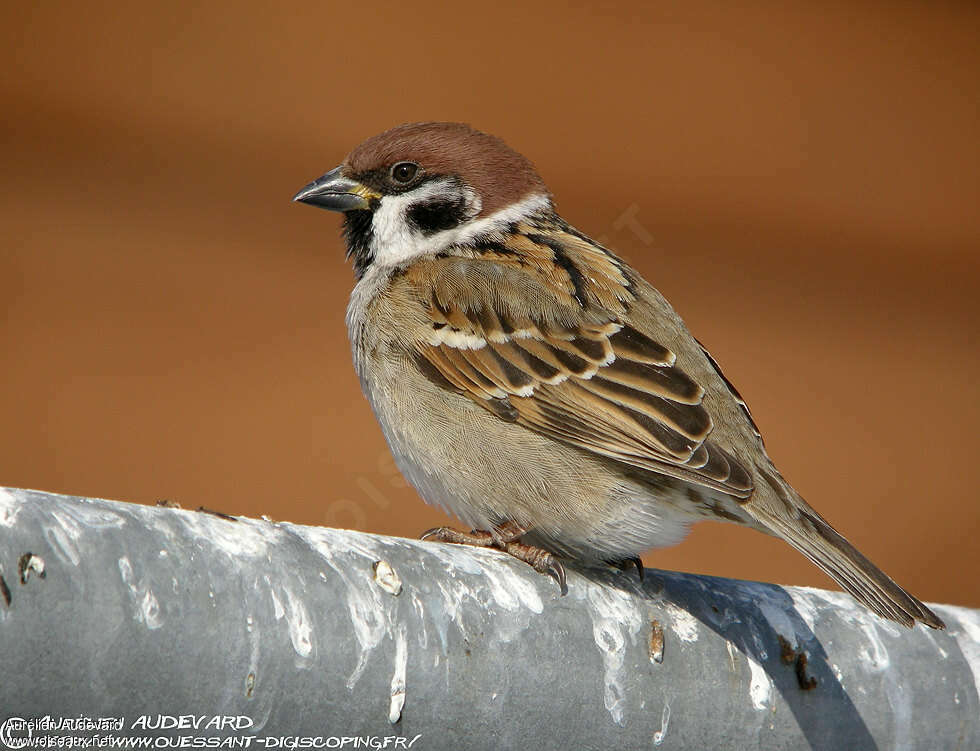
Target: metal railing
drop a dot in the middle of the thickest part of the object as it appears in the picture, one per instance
(182, 624)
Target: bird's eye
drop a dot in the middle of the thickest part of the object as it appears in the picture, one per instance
(404, 172)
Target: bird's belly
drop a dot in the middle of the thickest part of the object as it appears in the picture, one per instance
(486, 471)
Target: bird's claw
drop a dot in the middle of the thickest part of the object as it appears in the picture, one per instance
(505, 538)
(624, 564)
(541, 561)
(557, 571)
(637, 564)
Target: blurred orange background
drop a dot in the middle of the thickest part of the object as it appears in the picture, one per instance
(801, 180)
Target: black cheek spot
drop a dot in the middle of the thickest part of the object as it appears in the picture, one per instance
(437, 215)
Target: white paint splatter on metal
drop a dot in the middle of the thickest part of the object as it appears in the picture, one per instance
(419, 607)
(147, 607)
(964, 626)
(244, 538)
(732, 655)
(278, 611)
(299, 623)
(931, 637)
(62, 536)
(9, 507)
(255, 641)
(779, 618)
(803, 604)
(510, 590)
(397, 702)
(70, 524)
(615, 619)
(760, 685)
(682, 623)
(364, 606)
(659, 735)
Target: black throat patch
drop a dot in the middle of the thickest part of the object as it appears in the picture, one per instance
(358, 231)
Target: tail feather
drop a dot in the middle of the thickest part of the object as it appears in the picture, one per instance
(822, 544)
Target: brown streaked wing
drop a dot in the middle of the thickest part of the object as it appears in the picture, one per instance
(601, 386)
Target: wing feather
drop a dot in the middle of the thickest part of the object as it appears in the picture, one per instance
(558, 355)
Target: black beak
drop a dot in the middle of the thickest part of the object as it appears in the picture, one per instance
(335, 192)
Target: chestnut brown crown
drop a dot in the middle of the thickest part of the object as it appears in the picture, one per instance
(498, 174)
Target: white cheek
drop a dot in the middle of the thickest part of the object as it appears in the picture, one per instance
(395, 241)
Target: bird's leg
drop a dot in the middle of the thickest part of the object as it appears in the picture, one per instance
(505, 537)
(506, 533)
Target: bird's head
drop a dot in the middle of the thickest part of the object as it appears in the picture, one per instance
(421, 188)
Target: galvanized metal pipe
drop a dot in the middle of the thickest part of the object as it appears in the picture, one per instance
(168, 617)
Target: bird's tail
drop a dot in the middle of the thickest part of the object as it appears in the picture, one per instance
(817, 540)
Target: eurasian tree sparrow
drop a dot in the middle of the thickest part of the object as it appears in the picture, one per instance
(533, 384)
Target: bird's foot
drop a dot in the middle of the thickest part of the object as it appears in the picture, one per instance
(540, 560)
(505, 537)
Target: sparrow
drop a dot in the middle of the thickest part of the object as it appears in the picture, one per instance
(530, 382)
